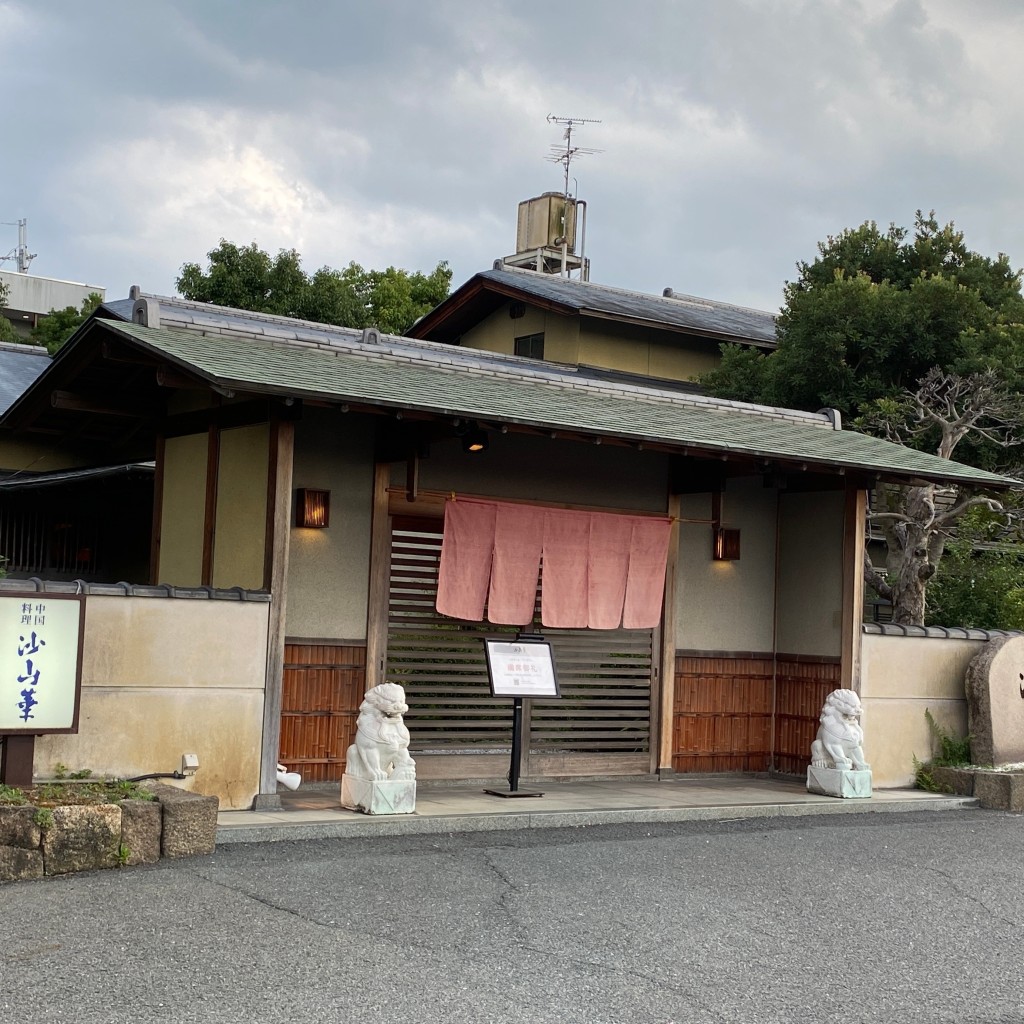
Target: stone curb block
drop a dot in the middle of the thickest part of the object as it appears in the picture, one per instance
(1000, 791)
(140, 831)
(18, 827)
(82, 838)
(189, 822)
(18, 864)
(953, 780)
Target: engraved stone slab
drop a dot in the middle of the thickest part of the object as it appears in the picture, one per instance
(839, 782)
(995, 702)
(389, 796)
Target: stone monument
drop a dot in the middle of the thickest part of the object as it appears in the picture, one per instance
(837, 765)
(995, 702)
(380, 776)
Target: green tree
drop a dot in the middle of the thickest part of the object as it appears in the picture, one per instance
(913, 335)
(248, 277)
(6, 330)
(59, 324)
(874, 312)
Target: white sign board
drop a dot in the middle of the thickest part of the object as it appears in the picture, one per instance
(521, 668)
(40, 662)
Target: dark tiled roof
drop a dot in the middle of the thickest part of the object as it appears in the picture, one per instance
(679, 311)
(445, 381)
(19, 367)
(31, 481)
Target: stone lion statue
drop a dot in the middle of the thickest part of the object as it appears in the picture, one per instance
(381, 749)
(840, 736)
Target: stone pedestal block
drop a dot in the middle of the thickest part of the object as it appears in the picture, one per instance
(82, 838)
(140, 831)
(839, 782)
(387, 797)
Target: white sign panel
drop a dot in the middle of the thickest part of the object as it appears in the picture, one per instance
(521, 668)
(40, 650)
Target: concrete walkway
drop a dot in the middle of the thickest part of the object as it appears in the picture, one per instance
(316, 813)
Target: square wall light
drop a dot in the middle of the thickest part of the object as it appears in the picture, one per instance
(725, 544)
(312, 508)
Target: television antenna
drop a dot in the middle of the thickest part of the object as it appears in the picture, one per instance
(565, 156)
(19, 253)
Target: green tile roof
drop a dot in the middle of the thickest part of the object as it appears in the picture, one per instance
(443, 380)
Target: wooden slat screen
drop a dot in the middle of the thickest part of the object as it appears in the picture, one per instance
(323, 688)
(723, 712)
(801, 689)
(605, 676)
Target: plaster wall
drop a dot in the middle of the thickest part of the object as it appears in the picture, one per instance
(901, 678)
(591, 341)
(36, 458)
(240, 541)
(545, 470)
(183, 511)
(810, 594)
(727, 606)
(497, 333)
(162, 677)
(329, 570)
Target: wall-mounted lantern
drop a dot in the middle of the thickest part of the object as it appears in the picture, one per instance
(312, 508)
(725, 544)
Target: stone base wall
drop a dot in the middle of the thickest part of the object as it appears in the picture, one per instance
(39, 841)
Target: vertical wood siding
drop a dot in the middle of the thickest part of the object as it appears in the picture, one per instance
(324, 685)
(723, 711)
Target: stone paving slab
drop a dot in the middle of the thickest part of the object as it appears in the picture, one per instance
(317, 814)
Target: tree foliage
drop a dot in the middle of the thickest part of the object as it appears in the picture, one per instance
(247, 277)
(7, 332)
(59, 324)
(874, 312)
(915, 337)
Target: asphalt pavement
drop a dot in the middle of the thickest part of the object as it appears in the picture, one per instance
(915, 917)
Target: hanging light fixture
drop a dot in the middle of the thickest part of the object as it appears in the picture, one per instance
(474, 439)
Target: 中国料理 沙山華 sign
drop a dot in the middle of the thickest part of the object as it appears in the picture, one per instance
(40, 662)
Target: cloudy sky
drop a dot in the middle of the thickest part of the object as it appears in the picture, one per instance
(733, 135)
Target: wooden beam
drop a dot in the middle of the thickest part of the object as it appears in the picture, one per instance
(282, 458)
(158, 512)
(80, 403)
(665, 705)
(854, 521)
(210, 513)
(168, 377)
(380, 574)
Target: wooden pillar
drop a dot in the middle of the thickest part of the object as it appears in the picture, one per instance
(854, 522)
(667, 695)
(380, 576)
(279, 504)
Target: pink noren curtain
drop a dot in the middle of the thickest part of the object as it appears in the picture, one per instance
(597, 569)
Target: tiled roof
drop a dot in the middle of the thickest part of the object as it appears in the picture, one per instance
(674, 309)
(19, 367)
(396, 373)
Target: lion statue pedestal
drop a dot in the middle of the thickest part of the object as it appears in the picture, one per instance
(837, 765)
(380, 776)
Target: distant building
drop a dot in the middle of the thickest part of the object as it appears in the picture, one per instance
(30, 297)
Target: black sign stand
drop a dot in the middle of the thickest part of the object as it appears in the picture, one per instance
(517, 737)
(517, 752)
